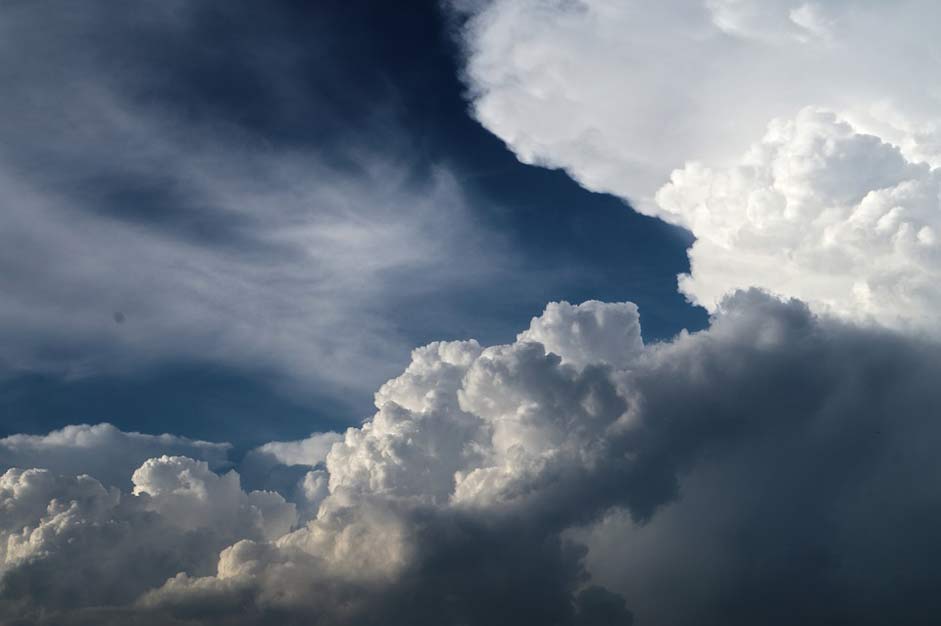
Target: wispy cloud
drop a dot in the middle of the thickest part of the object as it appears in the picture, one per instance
(135, 234)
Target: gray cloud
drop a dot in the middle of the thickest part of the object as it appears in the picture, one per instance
(773, 468)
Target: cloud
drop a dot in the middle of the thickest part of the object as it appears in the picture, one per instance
(591, 332)
(818, 211)
(799, 155)
(311, 451)
(139, 232)
(190, 496)
(69, 544)
(771, 468)
(775, 468)
(102, 451)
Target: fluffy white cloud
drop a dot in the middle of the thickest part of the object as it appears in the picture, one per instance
(838, 209)
(68, 542)
(622, 93)
(35, 495)
(103, 451)
(189, 495)
(819, 211)
(591, 332)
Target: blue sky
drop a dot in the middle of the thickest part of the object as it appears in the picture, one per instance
(347, 85)
(470, 312)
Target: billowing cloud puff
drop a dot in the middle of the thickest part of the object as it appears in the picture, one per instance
(70, 543)
(103, 451)
(800, 155)
(190, 496)
(591, 332)
(819, 211)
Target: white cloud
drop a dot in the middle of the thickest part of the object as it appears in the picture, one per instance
(103, 451)
(818, 211)
(190, 496)
(35, 494)
(68, 542)
(311, 451)
(591, 332)
(837, 209)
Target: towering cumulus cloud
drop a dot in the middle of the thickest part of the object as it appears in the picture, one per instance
(796, 140)
(775, 468)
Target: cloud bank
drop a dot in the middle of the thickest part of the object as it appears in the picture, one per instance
(800, 155)
(105, 452)
(773, 468)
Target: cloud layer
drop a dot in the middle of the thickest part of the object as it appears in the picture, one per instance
(105, 452)
(800, 155)
(778, 464)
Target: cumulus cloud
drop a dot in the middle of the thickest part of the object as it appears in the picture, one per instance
(591, 332)
(70, 544)
(773, 468)
(103, 451)
(819, 211)
(190, 496)
(801, 156)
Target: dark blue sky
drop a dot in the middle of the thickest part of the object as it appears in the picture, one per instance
(320, 78)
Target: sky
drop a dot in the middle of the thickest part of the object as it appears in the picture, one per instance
(278, 203)
(588, 313)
